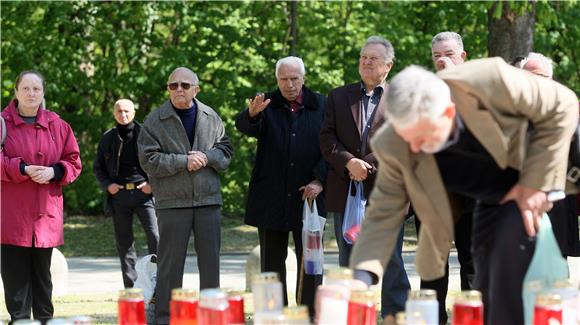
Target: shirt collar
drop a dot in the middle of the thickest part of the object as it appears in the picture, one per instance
(296, 104)
(378, 89)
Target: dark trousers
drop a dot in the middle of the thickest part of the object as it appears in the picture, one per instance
(27, 282)
(502, 252)
(273, 253)
(395, 281)
(126, 203)
(396, 286)
(463, 229)
(175, 227)
(564, 218)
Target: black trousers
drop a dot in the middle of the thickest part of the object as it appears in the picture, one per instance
(564, 218)
(463, 230)
(502, 252)
(126, 203)
(27, 282)
(273, 253)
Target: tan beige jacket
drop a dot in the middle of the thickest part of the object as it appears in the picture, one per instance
(496, 103)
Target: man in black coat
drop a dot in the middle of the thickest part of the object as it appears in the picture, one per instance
(119, 173)
(288, 169)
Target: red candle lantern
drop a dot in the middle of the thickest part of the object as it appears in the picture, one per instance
(361, 308)
(183, 307)
(548, 309)
(131, 307)
(236, 308)
(468, 309)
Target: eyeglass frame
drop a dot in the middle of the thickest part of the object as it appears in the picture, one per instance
(179, 84)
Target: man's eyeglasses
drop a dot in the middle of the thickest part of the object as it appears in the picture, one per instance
(175, 85)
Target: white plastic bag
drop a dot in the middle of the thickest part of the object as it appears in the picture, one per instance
(147, 280)
(312, 231)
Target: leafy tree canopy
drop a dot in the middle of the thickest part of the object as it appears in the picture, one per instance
(94, 52)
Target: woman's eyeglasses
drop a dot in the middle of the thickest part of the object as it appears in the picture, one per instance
(175, 85)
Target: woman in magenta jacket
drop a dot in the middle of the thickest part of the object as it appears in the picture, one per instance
(39, 157)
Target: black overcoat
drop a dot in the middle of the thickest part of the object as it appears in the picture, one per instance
(287, 157)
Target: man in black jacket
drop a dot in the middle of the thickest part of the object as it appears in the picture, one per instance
(118, 171)
(288, 169)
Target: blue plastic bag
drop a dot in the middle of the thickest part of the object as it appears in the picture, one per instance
(546, 266)
(354, 213)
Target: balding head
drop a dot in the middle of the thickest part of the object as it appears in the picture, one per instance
(538, 64)
(184, 72)
(124, 111)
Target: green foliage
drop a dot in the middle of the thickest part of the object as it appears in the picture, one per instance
(93, 53)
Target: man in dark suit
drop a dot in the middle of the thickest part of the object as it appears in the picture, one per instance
(352, 117)
(447, 51)
(289, 168)
(466, 131)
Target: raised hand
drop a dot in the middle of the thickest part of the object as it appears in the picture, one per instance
(257, 105)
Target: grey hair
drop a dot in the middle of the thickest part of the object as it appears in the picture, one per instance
(415, 93)
(293, 61)
(375, 39)
(194, 77)
(445, 36)
(544, 61)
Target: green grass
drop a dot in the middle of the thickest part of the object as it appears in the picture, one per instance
(94, 236)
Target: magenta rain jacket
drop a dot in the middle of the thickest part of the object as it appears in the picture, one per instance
(31, 213)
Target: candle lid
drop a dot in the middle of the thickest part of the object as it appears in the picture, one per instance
(296, 313)
(181, 294)
(339, 273)
(423, 294)
(130, 294)
(213, 299)
(469, 297)
(362, 296)
(548, 299)
(266, 277)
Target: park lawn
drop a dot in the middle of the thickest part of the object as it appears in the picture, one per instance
(94, 236)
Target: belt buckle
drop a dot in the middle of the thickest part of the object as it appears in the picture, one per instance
(573, 174)
(130, 186)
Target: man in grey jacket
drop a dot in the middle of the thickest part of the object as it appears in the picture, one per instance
(182, 147)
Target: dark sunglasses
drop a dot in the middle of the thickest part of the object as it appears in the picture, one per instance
(175, 85)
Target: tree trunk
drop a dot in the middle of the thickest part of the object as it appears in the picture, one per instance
(293, 26)
(512, 34)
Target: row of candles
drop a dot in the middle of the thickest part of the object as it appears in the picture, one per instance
(340, 300)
